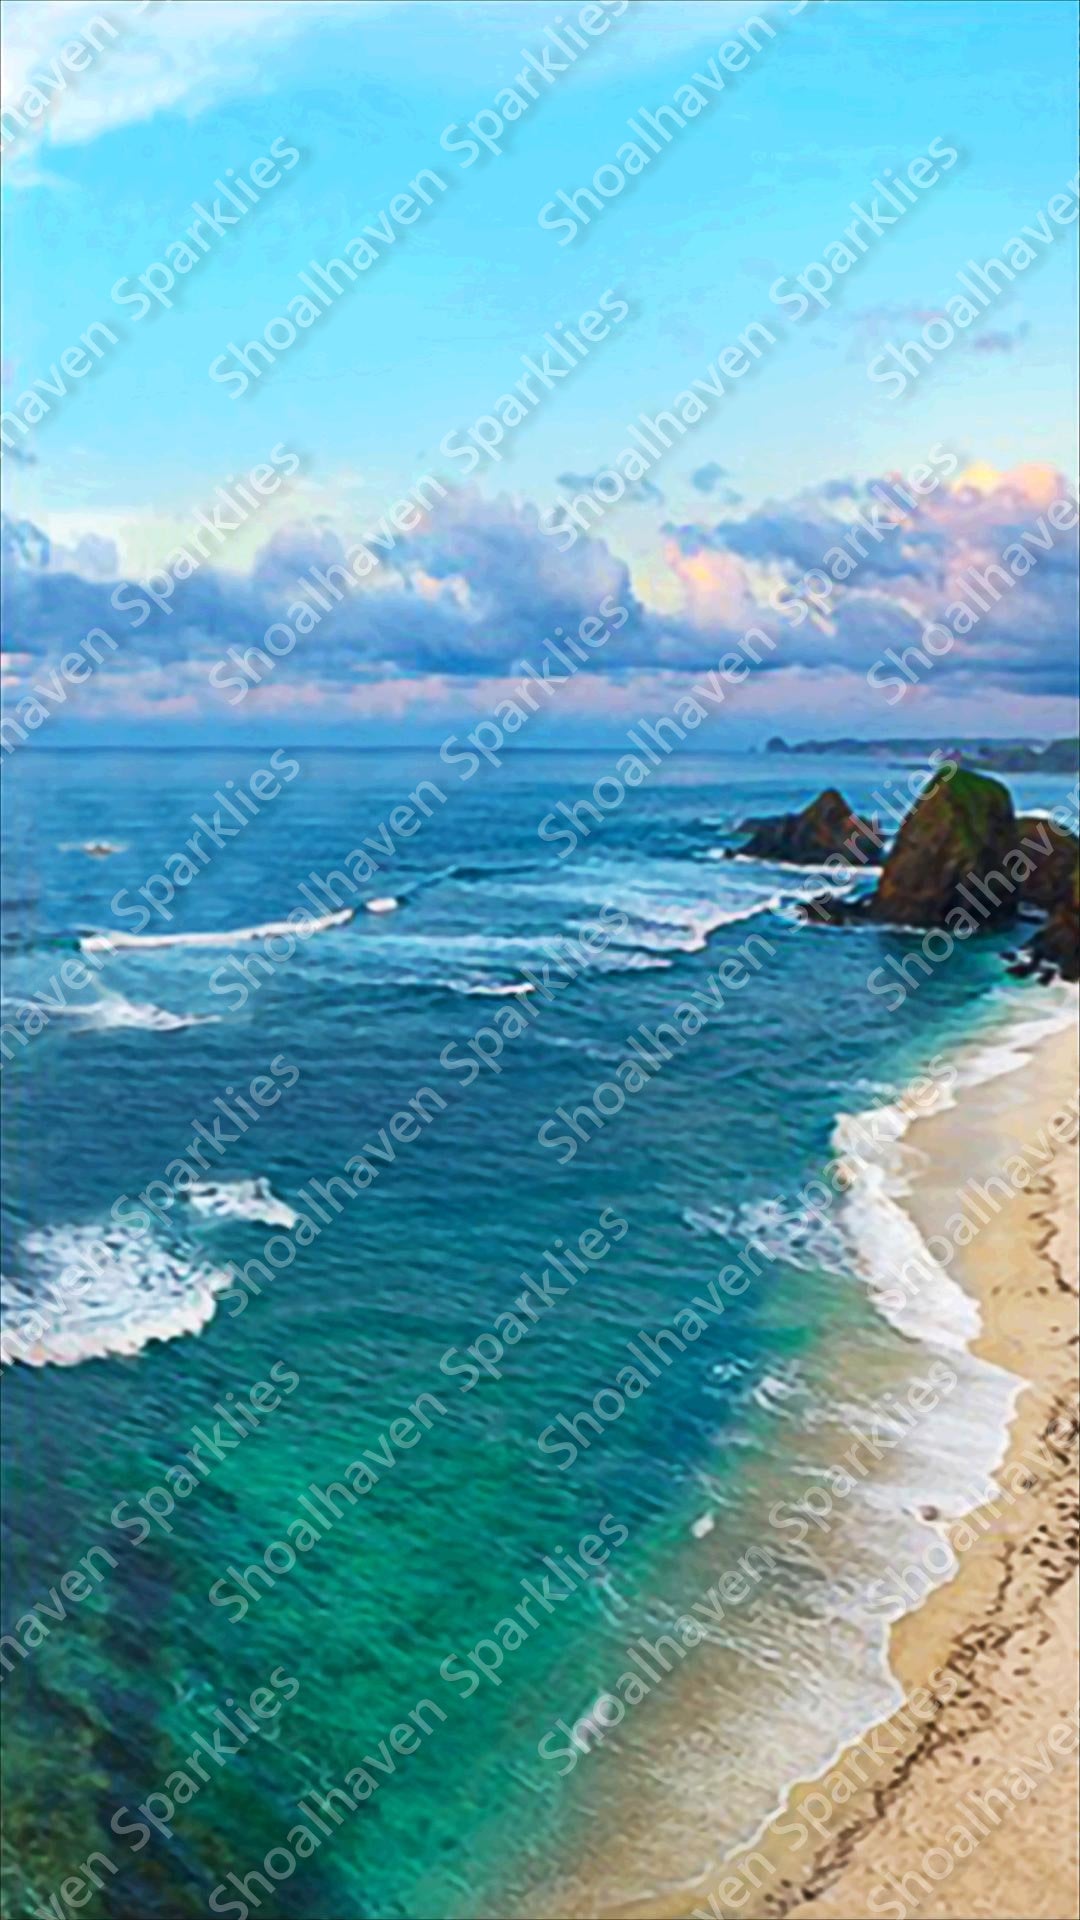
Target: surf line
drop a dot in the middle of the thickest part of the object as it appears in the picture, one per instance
(33, 1014)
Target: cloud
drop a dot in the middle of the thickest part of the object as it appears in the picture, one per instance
(710, 480)
(179, 57)
(23, 546)
(642, 491)
(706, 479)
(998, 340)
(459, 604)
(146, 59)
(872, 325)
(797, 533)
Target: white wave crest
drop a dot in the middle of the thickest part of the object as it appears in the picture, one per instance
(301, 929)
(720, 1220)
(494, 989)
(240, 1200)
(99, 848)
(91, 1292)
(686, 928)
(111, 1011)
(929, 1305)
(799, 1237)
(772, 1389)
(844, 878)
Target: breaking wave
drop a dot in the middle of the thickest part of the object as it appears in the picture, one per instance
(91, 1292)
(112, 1012)
(886, 1241)
(252, 1200)
(299, 929)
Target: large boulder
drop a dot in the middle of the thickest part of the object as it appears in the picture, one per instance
(827, 828)
(1055, 854)
(1057, 944)
(952, 842)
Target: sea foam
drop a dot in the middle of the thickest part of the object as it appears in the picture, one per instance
(90, 1292)
(251, 1200)
(881, 1166)
(112, 1012)
(300, 929)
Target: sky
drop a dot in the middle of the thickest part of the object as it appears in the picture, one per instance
(804, 114)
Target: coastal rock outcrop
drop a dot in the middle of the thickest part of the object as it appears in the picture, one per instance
(1057, 943)
(823, 830)
(962, 860)
(956, 836)
(1056, 855)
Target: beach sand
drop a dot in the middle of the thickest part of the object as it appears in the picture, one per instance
(997, 1645)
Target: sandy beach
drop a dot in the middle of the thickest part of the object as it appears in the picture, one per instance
(963, 1807)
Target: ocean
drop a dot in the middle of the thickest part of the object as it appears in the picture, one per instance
(412, 1314)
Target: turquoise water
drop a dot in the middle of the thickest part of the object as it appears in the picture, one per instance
(326, 1046)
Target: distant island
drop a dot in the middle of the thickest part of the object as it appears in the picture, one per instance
(990, 756)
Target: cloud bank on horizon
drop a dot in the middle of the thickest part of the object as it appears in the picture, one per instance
(861, 597)
(413, 500)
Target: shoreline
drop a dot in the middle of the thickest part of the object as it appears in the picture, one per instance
(987, 1661)
(984, 1664)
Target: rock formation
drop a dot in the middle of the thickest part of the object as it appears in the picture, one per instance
(1057, 944)
(825, 829)
(1055, 853)
(957, 834)
(962, 860)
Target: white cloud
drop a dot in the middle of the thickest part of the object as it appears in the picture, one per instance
(187, 55)
(165, 56)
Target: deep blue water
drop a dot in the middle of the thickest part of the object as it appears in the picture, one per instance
(327, 1043)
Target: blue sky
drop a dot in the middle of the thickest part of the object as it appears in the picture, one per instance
(430, 337)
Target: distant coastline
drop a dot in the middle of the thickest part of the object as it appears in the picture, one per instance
(1020, 755)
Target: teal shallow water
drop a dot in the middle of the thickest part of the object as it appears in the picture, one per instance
(433, 1555)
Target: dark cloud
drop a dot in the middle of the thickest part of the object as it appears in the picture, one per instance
(797, 535)
(707, 478)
